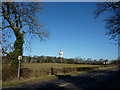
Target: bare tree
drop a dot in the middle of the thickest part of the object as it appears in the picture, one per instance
(113, 20)
(20, 20)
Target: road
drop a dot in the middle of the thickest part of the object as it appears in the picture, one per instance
(97, 79)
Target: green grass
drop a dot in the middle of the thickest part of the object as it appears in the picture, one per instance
(24, 81)
(41, 66)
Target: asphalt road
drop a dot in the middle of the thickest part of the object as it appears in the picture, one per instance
(97, 79)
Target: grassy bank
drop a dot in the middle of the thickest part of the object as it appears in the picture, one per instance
(24, 81)
(35, 80)
(50, 77)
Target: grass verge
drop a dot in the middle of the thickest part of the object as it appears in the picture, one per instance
(24, 81)
(46, 78)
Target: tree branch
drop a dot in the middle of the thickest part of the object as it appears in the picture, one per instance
(3, 51)
(32, 32)
(4, 27)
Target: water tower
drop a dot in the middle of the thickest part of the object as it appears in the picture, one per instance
(61, 54)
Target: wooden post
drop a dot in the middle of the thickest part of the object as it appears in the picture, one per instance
(19, 70)
(19, 58)
(52, 71)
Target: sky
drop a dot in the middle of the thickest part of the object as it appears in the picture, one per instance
(74, 30)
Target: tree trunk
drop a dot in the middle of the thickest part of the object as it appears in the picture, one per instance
(18, 48)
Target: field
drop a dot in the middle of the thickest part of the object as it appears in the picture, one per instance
(39, 71)
(41, 66)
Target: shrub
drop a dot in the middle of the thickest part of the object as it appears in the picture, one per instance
(9, 72)
(26, 73)
(14, 62)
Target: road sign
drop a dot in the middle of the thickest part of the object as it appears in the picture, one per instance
(19, 58)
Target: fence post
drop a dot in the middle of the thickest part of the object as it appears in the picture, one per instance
(52, 71)
(19, 70)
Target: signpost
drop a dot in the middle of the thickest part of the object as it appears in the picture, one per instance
(19, 58)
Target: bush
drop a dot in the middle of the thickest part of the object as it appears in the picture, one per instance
(9, 72)
(26, 73)
(14, 62)
(68, 70)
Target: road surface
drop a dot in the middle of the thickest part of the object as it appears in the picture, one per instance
(97, 79)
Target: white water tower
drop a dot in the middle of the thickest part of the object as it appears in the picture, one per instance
(61, 53)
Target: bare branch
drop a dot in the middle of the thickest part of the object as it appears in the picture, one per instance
(18, 15)
(113, 20)
(4, 27)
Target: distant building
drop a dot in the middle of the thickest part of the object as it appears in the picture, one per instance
(105, 62)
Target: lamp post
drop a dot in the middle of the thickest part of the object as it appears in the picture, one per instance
(19, 58)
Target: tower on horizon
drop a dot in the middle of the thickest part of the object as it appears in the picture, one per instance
(61, 54)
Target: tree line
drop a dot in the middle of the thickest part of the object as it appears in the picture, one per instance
(49, 59)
